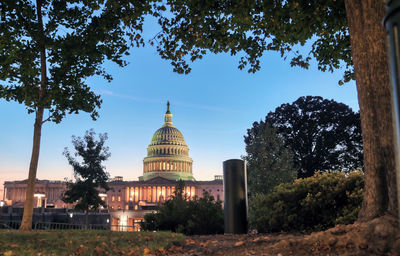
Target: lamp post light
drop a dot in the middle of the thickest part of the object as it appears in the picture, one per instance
(39, 199)
(1, 209)
(392, 23)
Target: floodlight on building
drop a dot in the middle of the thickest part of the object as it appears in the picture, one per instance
(39, 198)
(102, 195)
(39, 195)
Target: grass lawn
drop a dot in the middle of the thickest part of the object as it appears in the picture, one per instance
(85, 242)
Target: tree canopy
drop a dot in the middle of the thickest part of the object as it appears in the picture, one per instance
(323, 134)
(90, 175)
(269, 161)
(75, 37)
(250, 28)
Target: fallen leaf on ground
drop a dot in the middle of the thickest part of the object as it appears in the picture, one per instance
(162, 251)
(239, 243)
(132, 252)
(98, 250)
(190, 241)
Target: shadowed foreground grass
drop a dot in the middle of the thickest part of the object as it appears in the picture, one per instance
(85, 242)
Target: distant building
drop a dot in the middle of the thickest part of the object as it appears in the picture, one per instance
(47, 193)
(167, 162)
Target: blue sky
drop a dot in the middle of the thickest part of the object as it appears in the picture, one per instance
(212, 106)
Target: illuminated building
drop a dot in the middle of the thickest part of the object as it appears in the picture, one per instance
(167, 162)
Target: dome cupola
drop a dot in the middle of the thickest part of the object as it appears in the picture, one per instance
(167, 153)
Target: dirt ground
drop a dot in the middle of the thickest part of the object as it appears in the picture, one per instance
(380, 236)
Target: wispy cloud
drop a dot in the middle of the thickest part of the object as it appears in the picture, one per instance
(177, 103)
(203, 107)
(129, 97)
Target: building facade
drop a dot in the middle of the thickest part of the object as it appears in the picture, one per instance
(167, 162)
(47, 193)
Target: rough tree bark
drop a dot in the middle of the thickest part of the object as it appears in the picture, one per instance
(26, 224)
(369, 51)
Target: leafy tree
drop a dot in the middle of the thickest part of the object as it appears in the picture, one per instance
(90, 175)
(342, 33)
(50, 48)
(269, 162)
(179, 214)
(323, 134)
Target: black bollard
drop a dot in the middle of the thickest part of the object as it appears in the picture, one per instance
(392, 25)
(235, 196)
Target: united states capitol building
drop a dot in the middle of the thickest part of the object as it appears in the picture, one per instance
(167, 162)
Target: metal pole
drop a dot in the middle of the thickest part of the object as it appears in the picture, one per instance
(391, 23)
(235, 196)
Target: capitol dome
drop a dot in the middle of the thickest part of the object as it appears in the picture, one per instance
(168, 135)
(168, 154)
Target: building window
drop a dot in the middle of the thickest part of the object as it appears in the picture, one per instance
(127, 207)
(192, 192)
(218, 199)
(136, 194)
(119, 199)
(113, 198)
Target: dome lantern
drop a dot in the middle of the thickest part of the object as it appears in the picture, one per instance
(168, 117)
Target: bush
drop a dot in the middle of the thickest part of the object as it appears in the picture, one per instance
(198, 216)
(311, 204)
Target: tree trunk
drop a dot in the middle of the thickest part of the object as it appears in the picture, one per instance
(369, 51)
(26, 224)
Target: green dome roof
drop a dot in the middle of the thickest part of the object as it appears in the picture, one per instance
(168, 135)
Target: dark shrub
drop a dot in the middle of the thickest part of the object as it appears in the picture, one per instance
(311, 204)
(197, 216)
